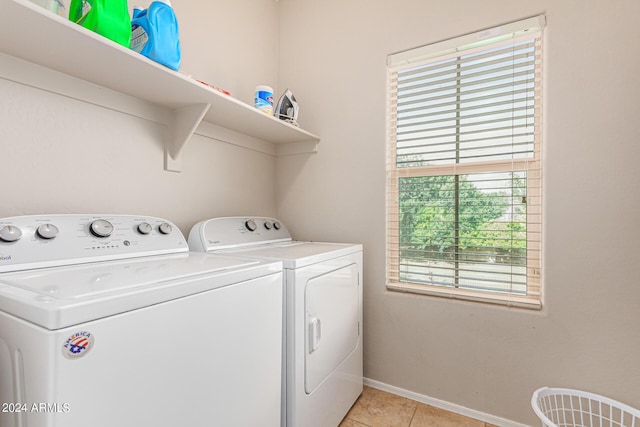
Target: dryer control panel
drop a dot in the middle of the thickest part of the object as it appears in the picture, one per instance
(236, 231)
(35, 241)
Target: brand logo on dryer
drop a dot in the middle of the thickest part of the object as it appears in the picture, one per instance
(5, 258)
(78, 345)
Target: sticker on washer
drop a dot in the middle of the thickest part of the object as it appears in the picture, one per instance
(77, 345)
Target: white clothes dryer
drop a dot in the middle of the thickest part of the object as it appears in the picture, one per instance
(323, 312)
(109, 321)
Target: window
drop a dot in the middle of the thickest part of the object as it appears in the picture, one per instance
(464, 180)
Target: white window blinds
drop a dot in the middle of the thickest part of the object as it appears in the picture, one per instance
(464, 167)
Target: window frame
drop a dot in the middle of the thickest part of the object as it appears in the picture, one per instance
(457, 47)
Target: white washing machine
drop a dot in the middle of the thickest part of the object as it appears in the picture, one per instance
(323, 328)
(109, 321)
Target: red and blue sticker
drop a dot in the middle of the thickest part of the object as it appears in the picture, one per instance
(77, 345)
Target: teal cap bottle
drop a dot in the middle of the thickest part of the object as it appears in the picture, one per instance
(154, 34)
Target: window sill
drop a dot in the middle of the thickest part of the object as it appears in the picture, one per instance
(465, 295)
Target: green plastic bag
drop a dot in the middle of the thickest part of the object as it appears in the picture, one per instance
(109, 18)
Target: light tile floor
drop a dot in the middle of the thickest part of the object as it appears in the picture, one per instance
(376, 408)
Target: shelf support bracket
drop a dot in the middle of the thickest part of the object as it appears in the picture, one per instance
(183, 124)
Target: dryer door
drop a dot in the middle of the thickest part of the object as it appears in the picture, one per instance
(332, 322)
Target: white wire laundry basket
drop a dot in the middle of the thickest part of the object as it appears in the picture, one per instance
(561, 407)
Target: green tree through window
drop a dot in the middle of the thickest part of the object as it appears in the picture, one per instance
(450, 225)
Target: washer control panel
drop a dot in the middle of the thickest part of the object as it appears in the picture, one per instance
(34, 241)
(230, 232)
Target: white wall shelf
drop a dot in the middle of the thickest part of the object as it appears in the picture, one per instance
(36, 35)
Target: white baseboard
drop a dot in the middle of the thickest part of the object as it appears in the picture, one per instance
(447, 406)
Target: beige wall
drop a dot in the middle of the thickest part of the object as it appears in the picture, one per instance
(230, 44)
(490, 359)
(61, 155)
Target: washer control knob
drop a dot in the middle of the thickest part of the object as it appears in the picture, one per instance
(144, 228)
(250, 225)
(267, 225)
(48, 231)
(165, 228)
(101, 228)
(9, 233)
(276, 225)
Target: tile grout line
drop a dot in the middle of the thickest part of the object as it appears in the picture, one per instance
(415, 409)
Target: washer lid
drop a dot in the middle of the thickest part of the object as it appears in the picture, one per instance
(297, 254)
(63, 296)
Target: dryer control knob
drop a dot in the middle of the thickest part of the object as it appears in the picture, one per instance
(250, 225)
(145, 228)
(276, 225)
(9, 233)
(165, 228)
(101, 228)
(267, 225)
(48, 231)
